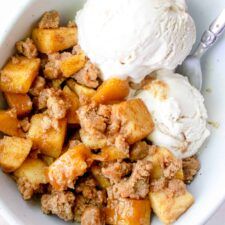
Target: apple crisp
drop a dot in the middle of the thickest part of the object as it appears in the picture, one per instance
(78, 142)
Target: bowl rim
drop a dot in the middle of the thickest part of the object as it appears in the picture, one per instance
(4, 210)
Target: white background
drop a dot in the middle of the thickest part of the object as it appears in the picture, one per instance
(6, 10)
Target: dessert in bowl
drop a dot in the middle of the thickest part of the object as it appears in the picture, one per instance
(97, 121)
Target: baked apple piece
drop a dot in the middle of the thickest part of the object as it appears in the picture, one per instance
(136, 121)
(68, 167)
(18, 74)
(72, 64)
(128, 212)
(72, 117)
(30, 177)
(53, 40)
(171, 202)
(11, 127)
(49, 140)
(20, 102)
(111, 153)
(34, 170)
(13, 151)
(111, 90)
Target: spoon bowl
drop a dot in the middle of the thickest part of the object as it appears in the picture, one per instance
(191, 67)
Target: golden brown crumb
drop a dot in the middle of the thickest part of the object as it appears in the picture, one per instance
(87, 195)
(120, 142)
(173, 188)
(48, 123)
(57, 106)
(26, 188)
(115, 171)
(176, 188)
(88, 75)
(137, 185)
(92, 121)
(158, 185)
(88, 188)
(49, 19)
(171, 167)
(59, 203)
(191, 166)
(40, 102)
(27, 48)
(96, 121)
(52, 68)
(55, 101)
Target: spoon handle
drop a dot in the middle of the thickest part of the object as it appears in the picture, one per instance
(211, 35)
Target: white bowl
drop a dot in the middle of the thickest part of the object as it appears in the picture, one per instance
(208, 187)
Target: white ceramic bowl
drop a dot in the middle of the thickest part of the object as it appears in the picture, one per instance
(208, 187)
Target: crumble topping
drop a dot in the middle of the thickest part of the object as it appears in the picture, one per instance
(49, 20)
(191, 167)
(27, 48)
(59, 203)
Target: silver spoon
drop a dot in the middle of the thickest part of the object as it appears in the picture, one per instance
(191, 67)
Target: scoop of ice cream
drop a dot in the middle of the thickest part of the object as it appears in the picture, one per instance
(178, 111)
(131, 38)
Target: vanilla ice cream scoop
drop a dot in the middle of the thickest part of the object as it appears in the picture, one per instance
(132, 38)
(178, 111)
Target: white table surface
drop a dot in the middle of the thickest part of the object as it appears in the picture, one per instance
(6, 10)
